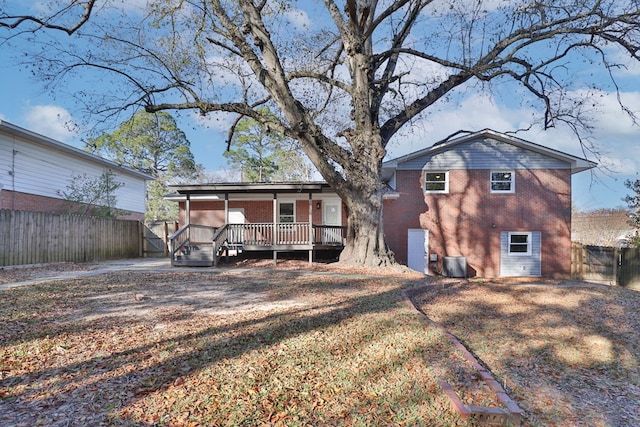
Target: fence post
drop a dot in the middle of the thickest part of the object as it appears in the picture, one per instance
(616, 257)
(165, 238)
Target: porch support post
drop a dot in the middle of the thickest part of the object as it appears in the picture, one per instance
(274, 234)
(310, 228)
(226, 208)
(187, 210)
(187, 215)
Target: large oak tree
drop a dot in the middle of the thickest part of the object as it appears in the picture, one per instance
(344, 85)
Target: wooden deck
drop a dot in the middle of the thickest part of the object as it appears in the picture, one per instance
(199, 245)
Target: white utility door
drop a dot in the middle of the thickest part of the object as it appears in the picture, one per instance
(418, 250)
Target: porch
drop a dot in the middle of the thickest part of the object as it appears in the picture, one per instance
(252, 217)
(201, 245)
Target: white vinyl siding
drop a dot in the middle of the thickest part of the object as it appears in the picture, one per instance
(520, 253)
(484, 153)
(36, 169)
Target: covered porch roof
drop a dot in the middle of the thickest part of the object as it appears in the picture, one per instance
(220, 190)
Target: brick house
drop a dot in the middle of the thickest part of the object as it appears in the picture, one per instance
(484, 204)
(33, 168)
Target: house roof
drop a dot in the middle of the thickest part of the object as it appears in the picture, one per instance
(577, 164)
(251, 188)
(52, 144)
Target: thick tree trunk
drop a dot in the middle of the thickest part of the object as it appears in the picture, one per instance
(365, 244)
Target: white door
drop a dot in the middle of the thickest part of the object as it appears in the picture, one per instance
(236, 215)
(235, 235)
(331, 216)
(418, 250)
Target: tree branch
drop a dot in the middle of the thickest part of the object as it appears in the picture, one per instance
(19, 20)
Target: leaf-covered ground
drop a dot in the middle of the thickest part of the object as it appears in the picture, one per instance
(218, 348)
(568, 354)
(263, 347)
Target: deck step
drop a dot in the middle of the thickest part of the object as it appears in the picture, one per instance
(195, 256)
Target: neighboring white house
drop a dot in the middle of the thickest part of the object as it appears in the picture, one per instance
(34, 168)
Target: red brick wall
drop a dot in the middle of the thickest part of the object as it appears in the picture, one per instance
(212, 212)
(13, 200)
(468, 220)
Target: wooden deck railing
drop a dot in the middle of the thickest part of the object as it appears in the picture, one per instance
(254, 236)
(293, 233)
(188, 236)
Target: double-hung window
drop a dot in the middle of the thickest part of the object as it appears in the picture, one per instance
(519, 244)
(502, 181)
(436, 182)
(286, 212)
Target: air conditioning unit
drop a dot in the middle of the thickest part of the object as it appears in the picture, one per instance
(454, 266)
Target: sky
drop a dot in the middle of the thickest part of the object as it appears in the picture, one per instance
(23, 102)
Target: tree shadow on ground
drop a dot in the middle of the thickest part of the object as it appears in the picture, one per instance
(568, 354)
(71, 366)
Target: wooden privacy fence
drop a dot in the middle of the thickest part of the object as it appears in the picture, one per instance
(603, 264)
(42, 237)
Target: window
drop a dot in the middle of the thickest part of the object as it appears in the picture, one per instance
(436, 182)
(519, 244)
(286, 213)
(502, 181)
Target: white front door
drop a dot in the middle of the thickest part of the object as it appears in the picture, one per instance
(235, 235)
(331, 216)
(418, 250)
(236, 215)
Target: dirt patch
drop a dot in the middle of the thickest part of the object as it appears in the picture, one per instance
(22, 273)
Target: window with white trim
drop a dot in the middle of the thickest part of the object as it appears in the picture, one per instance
(519, 244)
(286, 212)
(502, 181)
(436, 182)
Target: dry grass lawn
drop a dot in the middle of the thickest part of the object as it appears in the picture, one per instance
(256, 347)
(568, 354)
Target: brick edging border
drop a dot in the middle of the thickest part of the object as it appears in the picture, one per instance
(512, 415)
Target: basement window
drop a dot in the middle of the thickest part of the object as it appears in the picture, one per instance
(436, 182)
(519, 244)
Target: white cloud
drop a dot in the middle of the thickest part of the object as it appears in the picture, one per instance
(126, 5)
(473, 113)
(299, 19)
(216, 120)
(51, 121)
